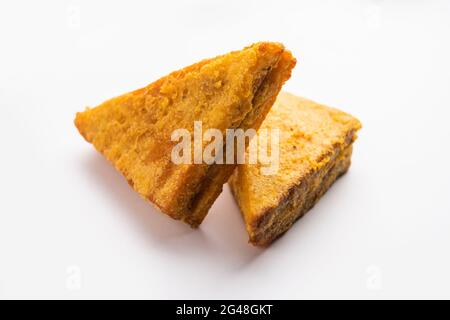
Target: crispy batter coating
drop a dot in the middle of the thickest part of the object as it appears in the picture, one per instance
(133, 131)
(315, 149)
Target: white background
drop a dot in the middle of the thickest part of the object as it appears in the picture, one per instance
(71, 227)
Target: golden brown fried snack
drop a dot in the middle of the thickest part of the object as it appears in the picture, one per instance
(133, 131)
(315, 149)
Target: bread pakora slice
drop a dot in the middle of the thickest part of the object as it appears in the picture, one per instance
(133, 131)
(315, 148)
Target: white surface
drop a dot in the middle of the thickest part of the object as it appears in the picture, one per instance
(70, 226)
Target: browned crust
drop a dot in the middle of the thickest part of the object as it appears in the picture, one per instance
(334, 169)
(274, 221)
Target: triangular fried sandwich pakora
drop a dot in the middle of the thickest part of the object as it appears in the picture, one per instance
(315, 148)
(133, 131)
